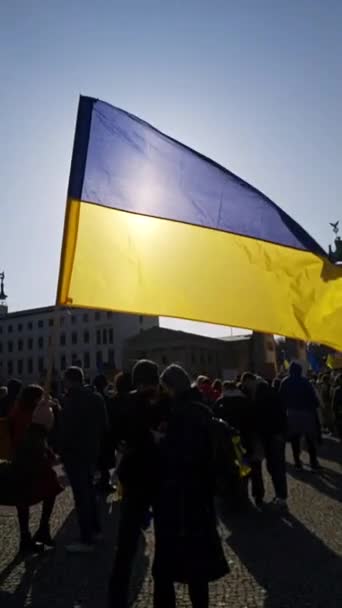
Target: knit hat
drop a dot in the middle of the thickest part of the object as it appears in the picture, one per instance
(176, 378)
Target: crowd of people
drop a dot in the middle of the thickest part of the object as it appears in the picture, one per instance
(179, 448)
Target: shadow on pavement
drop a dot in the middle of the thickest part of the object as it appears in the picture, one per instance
(293, 566)
(325, 481)
(331, 450)
(59, 580)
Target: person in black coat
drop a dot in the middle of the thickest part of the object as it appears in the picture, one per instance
(133, 416)
(187, 544)
(268, 422)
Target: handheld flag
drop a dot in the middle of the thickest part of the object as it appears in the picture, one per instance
(153, 227)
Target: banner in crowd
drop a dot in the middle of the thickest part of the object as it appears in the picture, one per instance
(153, 227)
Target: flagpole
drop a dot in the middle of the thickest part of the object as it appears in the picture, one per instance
(52, 350)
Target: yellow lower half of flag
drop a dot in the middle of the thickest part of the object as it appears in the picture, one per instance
(125, 262)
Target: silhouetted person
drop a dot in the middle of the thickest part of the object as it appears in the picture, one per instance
(268, 421)
(187, 545)
(136, 473)
(83, 424)
(301, 402)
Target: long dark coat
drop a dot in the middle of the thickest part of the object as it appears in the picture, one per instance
(187, 544)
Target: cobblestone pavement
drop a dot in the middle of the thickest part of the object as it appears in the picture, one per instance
(291, 561)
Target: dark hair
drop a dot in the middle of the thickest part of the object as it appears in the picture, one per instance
(74, 375)
(176, 378)
(100, 382)
(145, 373)
(30, 396)
(217, 385)
(202, 380)
(14, 387)
(229, 385)
(248, 376)
(123, 383)
(295, 369)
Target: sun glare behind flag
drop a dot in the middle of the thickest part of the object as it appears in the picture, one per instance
(153, 227)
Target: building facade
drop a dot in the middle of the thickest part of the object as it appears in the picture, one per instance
(222, 358)
(93, 339)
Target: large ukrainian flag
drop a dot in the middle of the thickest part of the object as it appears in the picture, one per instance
(153, 227)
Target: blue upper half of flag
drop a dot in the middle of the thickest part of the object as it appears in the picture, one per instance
(122, 162)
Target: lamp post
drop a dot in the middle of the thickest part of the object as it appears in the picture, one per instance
(3, 296)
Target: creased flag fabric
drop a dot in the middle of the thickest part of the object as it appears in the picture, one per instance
(153, 227)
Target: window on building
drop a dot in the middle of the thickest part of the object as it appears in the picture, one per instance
(0, 329)
(10, 346)
(99, 358)
(41, 364)
(74, 358)
(110, 336)
(40, 324)
(109, 314)
(20, 366)
(0, 347)
(104, 336)
(62, 321)
(20, 327)
(97, 316)
(40, 342)
(50, 322)
(10, 329)
(63, 362)
(74, 337)
(20, 345)
(73, 319)
(141, 319)
(29, 366)
(30, 344)
(98, 336)
(85, 317)
(10, 368)
(86, 360)
(62, 339)
(111, 357)
(86, 337)
(29, 325)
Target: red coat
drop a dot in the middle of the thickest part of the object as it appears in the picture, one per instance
(30, 477)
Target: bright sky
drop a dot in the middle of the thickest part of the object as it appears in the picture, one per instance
(254, 84)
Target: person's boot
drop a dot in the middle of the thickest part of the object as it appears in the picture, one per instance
(43, 536)
(28, 546)
(299, 465)
(315, 466)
